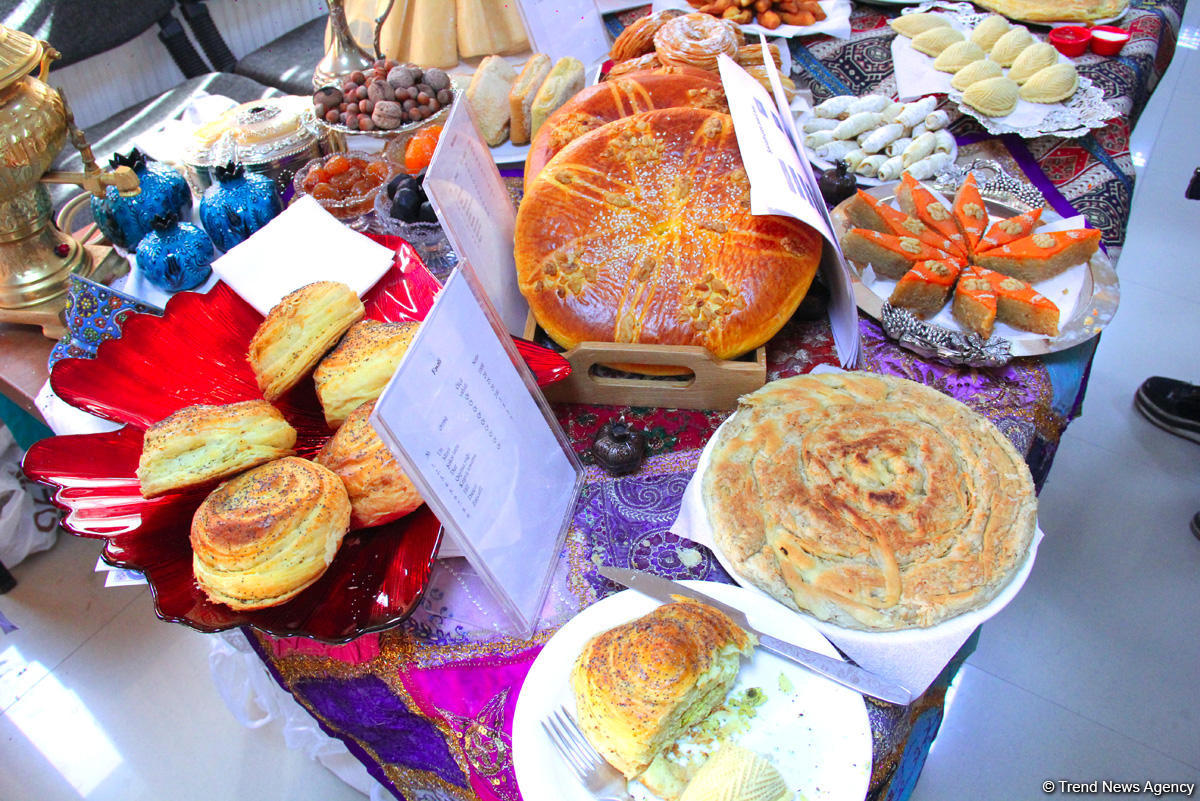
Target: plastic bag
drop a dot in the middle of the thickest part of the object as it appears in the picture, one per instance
(28, 520)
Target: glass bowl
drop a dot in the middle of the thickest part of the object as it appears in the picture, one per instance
(428, 239)
(351, 209)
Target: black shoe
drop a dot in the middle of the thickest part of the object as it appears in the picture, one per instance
(1171, 405)
(1196, 525)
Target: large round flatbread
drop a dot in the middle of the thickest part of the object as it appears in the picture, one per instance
(641, 231)
(872, 502)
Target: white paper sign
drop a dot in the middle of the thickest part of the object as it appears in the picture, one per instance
(781, 182)
(470, 198)
(566, 28)
(465, 420)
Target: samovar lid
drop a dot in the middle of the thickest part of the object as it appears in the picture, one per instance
(20, 53)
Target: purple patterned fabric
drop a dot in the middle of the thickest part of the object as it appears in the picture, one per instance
(380, 721)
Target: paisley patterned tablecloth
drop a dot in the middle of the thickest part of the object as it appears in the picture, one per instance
(428, 707)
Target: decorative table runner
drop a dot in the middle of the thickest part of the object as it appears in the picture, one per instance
(428, 707)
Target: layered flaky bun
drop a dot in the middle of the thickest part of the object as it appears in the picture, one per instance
(200, 445)
(640, 685)
(261, 538)
(360, 366)
(298, 331)
(379, 490)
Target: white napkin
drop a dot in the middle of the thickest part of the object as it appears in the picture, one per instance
(302, 245)
(912, 658)
(835, 24)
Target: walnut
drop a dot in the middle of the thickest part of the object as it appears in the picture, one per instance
(712, 127)
(910, 245)
(1043, 240)
(1011, 227)
(938, 212)
(620, 201)
(913, 225)
(974, 210)
(714, 225)
(939, 269)
(1012, 284)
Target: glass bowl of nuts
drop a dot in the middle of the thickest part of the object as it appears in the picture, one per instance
(345, 184)
(388, 100)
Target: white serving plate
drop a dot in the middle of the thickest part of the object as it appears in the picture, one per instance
(817, 734)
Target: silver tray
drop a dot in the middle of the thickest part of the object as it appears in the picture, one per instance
(1004, 196)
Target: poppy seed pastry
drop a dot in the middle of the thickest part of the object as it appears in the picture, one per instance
(869, 501)
(260, 539)
(641, 231)
(198, 445)
(379, 490)
(360, 367)
(640, 685)
(298, 331)
(619, 97)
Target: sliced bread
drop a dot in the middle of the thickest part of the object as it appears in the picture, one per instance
(488, 96)
(520, 99)
(563, 83)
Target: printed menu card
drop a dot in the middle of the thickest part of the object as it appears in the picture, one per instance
(464, 418)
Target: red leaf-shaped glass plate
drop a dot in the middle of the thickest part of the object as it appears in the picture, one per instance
(196, 353)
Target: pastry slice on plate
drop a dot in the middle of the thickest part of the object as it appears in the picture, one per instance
(1002, 232)
(919, 202)
(924, 289)
(891, 256)
(1041, 255)
(866, 211)
(970, 212)
(975, 303)
(1022, 306)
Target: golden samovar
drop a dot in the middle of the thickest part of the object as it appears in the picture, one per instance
(36, 258)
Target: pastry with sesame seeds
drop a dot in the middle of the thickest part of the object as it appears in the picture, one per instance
(260, 539)
(201, 445)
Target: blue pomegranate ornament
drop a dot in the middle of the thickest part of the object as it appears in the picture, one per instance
(175, 255)
(125, 220)
(237, 205)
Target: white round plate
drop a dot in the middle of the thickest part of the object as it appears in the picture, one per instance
(817, 733)
(956, 627)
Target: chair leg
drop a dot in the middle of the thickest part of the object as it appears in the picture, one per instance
(7, 581)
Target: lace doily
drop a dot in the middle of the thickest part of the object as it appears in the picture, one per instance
(1087, 109)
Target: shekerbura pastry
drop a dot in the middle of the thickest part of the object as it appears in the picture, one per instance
(974, 72)
(359, 368)
(638, 38)
(735, 773)
(203, 444)
(1037, 56)
(379, 490)
(957, 56)
(653, 239)
(869, 501)
(297, 332)
(911, 25)
(640, 685)
(935, 40)
(994, 97)
(1010, 45)
(261, 538)
(1051, 84)
(987, 32)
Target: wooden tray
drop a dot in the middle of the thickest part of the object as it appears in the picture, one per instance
(714, 383)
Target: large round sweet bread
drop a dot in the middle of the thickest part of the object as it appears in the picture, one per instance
(870, 501)
(641, 231)
(619, 97)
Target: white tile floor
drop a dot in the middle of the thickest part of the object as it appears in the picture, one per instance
(1092, 673)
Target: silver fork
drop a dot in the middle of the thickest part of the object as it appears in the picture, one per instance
(602, 780)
